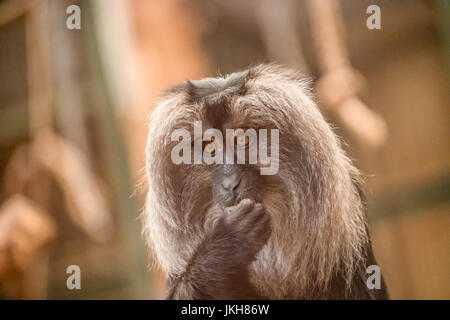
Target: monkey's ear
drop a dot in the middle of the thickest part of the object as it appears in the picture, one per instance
(188, 88)
(191, 89)
(183, 87)
(237, 81)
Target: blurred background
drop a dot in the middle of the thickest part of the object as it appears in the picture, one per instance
(74, 105)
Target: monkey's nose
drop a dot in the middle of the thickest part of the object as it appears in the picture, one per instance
(231, 182)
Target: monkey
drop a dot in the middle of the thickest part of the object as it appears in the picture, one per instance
(226, 231)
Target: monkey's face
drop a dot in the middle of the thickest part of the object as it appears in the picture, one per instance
(236, 173)
(223, 169)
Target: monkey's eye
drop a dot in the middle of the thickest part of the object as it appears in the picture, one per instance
(210, 147)
(242, 140)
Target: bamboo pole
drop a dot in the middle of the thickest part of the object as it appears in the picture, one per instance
(340, 84)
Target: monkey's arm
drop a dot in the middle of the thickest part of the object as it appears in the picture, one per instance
(219, 267)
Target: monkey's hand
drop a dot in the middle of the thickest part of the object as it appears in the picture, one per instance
(248, 226)
(220, 267)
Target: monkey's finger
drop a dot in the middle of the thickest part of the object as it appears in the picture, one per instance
(253, 218)
(237, 212)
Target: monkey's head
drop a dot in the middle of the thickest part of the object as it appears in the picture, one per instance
(294, 166)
